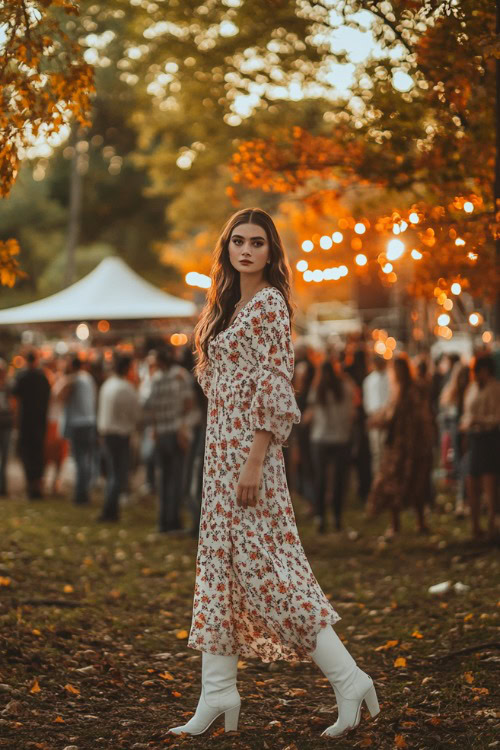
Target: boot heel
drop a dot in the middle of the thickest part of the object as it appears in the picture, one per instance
(231, 719)
(371, 701)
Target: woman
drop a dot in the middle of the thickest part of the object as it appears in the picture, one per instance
(255, 593)
(406, 465)
(331, 409)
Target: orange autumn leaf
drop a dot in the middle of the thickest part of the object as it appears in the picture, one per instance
(72, 689)
(59, 720)
(400, 662)
(68, 589)
(389, 644)
(365, 742)
(5, 581)
(181, 634)
(35, 631)
(35, 688)
(469, 677)
(416, 634)
(166, 676)
(400, 741)
(176, 694)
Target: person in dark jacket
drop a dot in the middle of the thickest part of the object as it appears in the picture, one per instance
(32, 391)
(6, 425)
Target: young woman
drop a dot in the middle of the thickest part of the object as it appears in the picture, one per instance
(255, 593)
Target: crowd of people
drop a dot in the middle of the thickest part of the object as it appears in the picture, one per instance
(369, 427)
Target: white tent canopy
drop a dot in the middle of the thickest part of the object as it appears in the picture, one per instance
(112, 291)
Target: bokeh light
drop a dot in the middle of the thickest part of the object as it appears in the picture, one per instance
(337, 237)
(307, 246)
(456, 288)
(361, 260)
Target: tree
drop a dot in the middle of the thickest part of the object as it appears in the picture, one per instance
(43, 79)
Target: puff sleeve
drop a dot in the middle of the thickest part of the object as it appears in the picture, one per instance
(273, 406)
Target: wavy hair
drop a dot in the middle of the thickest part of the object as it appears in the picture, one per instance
(224, 291)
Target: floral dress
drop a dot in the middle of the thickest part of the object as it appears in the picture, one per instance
(255, 593)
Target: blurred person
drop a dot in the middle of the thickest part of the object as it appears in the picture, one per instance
(193, 474)
(481, 422)
(355, 366)
(32, 391)
(79, 397)
(146, 372)
(56, 446)
(331, 411)
(404, 477)
(300, 435)
(6, 425)
(118, 413)
(452, 403)
(255, 593)
(375, 397)
(167, 409)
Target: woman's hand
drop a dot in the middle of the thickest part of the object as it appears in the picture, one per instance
(249, 483)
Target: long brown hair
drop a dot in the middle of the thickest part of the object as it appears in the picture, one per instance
(224, 292)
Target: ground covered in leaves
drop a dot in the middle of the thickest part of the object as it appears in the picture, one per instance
(94, 621)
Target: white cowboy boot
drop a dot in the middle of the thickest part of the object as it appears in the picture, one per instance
(219, 695)
(352, 686)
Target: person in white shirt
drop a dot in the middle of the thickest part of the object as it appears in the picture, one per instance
(375, 397)
(117, 416)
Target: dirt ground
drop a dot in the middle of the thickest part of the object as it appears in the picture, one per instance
(94, 621)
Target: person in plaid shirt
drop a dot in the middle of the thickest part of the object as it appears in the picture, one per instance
(169, 408)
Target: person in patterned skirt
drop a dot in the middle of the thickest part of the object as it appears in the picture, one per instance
(255, 593)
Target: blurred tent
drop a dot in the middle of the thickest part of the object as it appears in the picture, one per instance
(112, 291)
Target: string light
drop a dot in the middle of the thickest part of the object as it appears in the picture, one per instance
(416, 255)
(325, 242)
(459, 241)
(302, 265)
(387, 268)
(361, 260)
(475, 319)
(468, 207)
(456, 288)
(414, 217)
(307, 246)
(337, 237)
(443, 319)
(448, 305)
(487, 337)
(395, 249)
(360, 228)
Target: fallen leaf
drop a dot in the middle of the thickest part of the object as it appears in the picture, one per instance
(176, 694)
(68, 589)
(435, 721)
(297, 692)
(72, 689)
(389, 644)
(416, 634)
(400, 662)
(35, 631)
(166, 676)
(365, 742)
(400, 741)
(468, 617)
(242, 664)
(181, 634)
(469, 677)
(59, 720)
(115, 593)
(35, 688)
(4, 581)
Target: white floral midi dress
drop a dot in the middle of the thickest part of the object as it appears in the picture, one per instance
(255, 593)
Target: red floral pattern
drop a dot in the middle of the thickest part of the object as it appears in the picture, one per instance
(255, 593)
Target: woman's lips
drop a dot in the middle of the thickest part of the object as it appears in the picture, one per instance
(247, 262)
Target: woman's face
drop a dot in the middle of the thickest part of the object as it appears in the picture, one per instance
(249, 242)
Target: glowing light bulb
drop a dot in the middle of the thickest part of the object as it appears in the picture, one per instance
(474, 319)
(361, 259)
(360, 228)
(459, 241)
(456, 288)
(468, 207)
(395, 249)
(82, 331)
